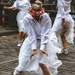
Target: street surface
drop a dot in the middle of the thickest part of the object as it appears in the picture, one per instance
(9, 54)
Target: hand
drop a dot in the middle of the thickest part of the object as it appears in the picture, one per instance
(44, 52)
(5, 7)
(33, 53)
(64, 25)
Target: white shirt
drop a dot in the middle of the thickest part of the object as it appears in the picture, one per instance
(38, 30)
(63, 8)
(22, 5)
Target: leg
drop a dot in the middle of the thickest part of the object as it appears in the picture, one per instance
(64, 41)
(44, 68)
(21, 66)
(64, 44)
(24, 35)
(20, 38)
(23, 57)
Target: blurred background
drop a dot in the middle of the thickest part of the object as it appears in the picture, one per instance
(8, 17)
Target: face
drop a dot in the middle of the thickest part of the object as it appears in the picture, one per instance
(37, 17)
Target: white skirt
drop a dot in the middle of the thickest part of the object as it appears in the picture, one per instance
(51, 61)
(58, 28)
(20, 17)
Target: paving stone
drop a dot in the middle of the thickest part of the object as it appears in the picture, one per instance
(9, 56)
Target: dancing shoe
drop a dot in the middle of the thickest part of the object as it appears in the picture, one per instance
(65, 51)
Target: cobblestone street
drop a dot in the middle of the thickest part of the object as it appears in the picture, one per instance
(9, 53)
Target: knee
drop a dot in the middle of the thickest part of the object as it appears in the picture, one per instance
(62, 36)
(41, 65)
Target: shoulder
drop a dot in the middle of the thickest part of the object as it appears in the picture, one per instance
(27, 17)
(26, 1)
(46, 16)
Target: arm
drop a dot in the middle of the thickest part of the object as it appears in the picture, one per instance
(11, 7)
(45, 32)
(62, 11)
(31, 33)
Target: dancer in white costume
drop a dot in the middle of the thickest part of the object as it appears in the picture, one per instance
(64, 24)
(39, 50)
(23, 6)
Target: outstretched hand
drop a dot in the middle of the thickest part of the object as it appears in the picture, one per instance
(33, 53)
(44, 52)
